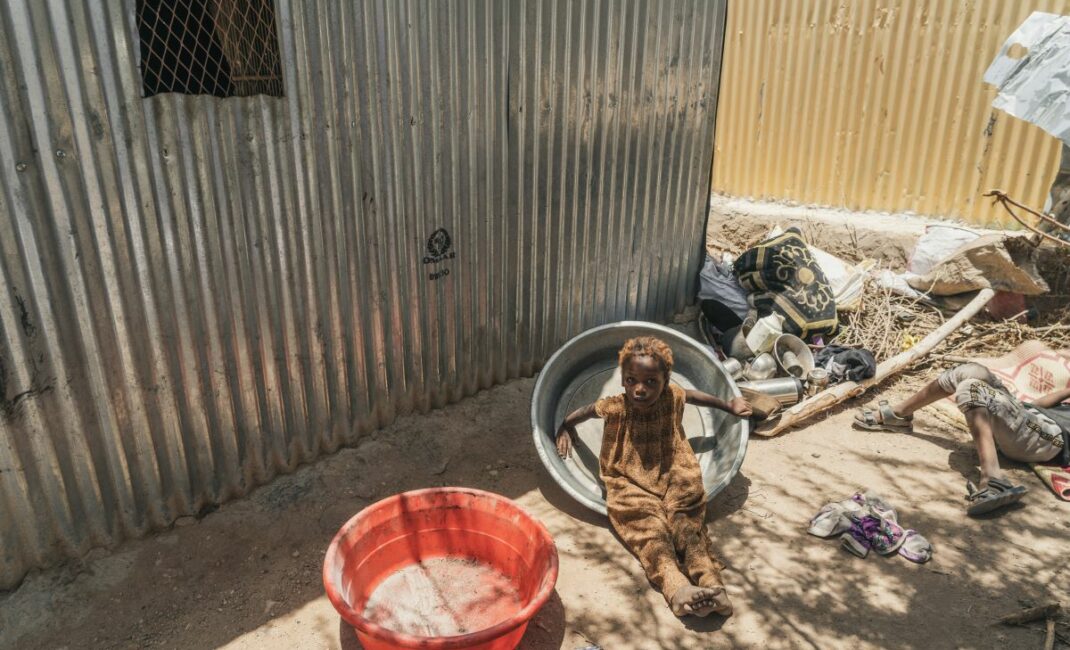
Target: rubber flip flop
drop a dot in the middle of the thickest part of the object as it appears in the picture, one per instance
(999, 493)
(876, 504)
(884, 535)
(883, 419)
(916, 548)
(853, 545)
(831, 520)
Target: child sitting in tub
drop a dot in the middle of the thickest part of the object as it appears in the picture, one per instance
(654, 491)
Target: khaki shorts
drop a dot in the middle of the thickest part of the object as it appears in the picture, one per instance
(1021, 433)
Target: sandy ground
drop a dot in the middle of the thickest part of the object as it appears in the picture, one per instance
(248, 574)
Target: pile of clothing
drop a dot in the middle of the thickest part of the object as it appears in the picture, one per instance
(796, 289)
(866, 521)
(846, 364)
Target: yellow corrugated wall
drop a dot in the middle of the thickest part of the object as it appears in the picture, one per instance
(871, 105)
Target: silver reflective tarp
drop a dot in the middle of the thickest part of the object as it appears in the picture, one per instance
(1032, 74)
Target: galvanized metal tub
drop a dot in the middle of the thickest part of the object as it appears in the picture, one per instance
(585, 369)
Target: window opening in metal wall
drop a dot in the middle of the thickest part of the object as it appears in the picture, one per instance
(226, 48)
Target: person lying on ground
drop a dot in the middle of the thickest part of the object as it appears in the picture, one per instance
(654, 492)
(1031, 433)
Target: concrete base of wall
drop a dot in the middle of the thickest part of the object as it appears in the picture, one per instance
(736, 224)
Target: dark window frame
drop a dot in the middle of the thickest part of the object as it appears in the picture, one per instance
(225, 48)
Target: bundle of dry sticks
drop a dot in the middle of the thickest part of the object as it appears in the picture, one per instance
(887, 323)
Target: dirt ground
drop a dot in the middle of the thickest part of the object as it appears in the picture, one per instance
(248, 574)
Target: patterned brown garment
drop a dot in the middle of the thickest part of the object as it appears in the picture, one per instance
(654, 491)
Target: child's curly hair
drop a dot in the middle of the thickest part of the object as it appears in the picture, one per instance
(647, 346)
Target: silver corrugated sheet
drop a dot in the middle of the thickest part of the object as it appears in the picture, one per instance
(202, 293)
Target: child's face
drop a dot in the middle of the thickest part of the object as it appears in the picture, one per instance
(643, 381)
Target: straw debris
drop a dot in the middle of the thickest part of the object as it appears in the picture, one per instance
(887, 323)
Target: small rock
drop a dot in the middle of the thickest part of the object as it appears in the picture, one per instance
(296, 554)
(270, 607)
(816, 455)
(182, 522)
(493, 472)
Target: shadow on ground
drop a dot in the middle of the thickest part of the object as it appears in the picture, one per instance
(248, 575)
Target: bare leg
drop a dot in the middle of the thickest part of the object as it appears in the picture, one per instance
(931, 394)
(978, 419)
(980, 423)
(693, 543)
(643, 525)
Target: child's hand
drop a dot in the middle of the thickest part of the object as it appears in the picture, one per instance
(741, 407)
(564, 442)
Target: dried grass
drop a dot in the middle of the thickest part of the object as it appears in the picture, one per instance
(886, 322)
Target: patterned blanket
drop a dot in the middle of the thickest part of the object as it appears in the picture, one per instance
(783, 277)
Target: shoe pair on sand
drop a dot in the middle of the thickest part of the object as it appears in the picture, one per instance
(866, 521)
(997, 493)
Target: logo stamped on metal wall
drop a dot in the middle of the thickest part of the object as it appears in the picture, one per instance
(439, 243)
(439, 249)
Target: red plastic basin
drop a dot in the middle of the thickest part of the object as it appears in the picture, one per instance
(453, 527)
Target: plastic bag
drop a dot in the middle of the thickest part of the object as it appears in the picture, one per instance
(718, 281)
(936, 245)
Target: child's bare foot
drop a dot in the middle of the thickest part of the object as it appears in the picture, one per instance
(700, 601)
(721, 604)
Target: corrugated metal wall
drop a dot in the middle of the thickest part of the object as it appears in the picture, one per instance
(199, 294)
(876, 105)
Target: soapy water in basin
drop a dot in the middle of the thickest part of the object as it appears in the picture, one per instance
(443, 597)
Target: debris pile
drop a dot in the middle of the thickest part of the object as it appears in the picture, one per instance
(887, 323)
